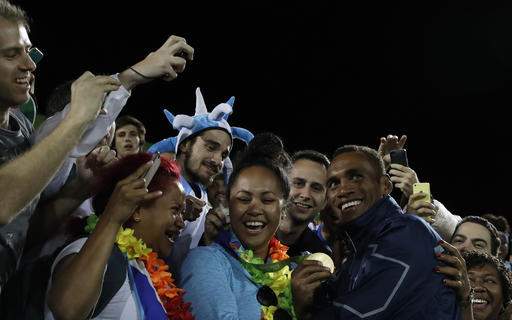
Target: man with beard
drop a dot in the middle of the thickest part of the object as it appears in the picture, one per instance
(307, 198)
(202, 145)
(389, 271)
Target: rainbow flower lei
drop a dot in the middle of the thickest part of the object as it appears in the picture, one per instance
(279, 281)
(170, 295)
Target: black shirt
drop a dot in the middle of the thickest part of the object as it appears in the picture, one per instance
(308, 241)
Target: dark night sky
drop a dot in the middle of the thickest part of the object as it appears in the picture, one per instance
(318, 74)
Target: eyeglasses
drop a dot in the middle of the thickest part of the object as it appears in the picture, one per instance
(267, 297)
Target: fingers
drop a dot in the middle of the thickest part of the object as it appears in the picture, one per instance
(425, 212)
(450, 260)
(137, 174)
(151, 195)
(102, 154)
(109, 157)
(397, 179)
(172, 40)
(398, 168)
(107, 80)
(392, 139)
(178, 64)
(183, 49)
(455, 284)
(449, 271)
(197, 203)
(452, 250)
(419, 205)
(309, 267)
(318, 276)
(402, 141)
(86, 75)
(416, 197)
(178, 45)
(214, 219)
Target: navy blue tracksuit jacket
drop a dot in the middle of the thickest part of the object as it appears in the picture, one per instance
(390, 274)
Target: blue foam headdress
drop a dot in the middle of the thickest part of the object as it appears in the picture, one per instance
(166, 145)
(202, 120)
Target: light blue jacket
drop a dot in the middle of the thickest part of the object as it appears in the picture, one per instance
(218, 286)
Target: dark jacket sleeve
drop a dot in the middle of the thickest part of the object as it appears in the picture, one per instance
(395, 279)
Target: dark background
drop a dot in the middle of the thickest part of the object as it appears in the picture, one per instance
(318, 74)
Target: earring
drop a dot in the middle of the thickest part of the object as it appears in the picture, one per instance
(136, 219)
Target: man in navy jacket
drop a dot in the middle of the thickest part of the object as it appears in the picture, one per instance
(388, 273)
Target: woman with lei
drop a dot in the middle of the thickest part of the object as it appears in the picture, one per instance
(115, 272)
(242, 275)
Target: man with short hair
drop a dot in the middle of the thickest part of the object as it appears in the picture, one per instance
(29, 162)
(476, 233)
(129, 137)
(389, 273)
(308, 178)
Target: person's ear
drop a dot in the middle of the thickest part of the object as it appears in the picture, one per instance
(386, 186)
(185, 146)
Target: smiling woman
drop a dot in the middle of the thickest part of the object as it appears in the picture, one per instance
(491, 284)
(235, 284)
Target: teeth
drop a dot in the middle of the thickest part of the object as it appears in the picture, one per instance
(254, 224)
(350, 204)
(479, 301)
(22, 80)
(302, 205)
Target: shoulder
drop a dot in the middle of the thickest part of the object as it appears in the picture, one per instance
(22, 120)
(406, 224)
(407, 235)
(73, 247)
(211, 256)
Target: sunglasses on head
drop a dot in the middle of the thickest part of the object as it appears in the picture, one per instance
(267, 297)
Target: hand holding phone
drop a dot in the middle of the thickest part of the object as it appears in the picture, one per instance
(148, 176)
(423, 188)
(399, 157)
(35, 54)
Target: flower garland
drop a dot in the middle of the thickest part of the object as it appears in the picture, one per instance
(279, 281)
(170, 295)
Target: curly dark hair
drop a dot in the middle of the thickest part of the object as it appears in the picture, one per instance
(495, 238)
(500, 222)
(480, 259)
(265, 150)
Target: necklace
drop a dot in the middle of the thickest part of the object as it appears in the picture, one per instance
(170, 295)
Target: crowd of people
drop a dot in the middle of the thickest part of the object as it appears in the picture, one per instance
(94, 226)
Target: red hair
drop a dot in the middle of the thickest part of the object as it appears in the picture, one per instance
(167, 171)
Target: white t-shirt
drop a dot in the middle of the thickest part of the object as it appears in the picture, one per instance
(122, 305)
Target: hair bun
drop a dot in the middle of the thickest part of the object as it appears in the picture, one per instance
(269, 146)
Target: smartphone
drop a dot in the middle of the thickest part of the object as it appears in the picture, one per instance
(35, 54)
(399, 157)
(422, 187)
(152, 170)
